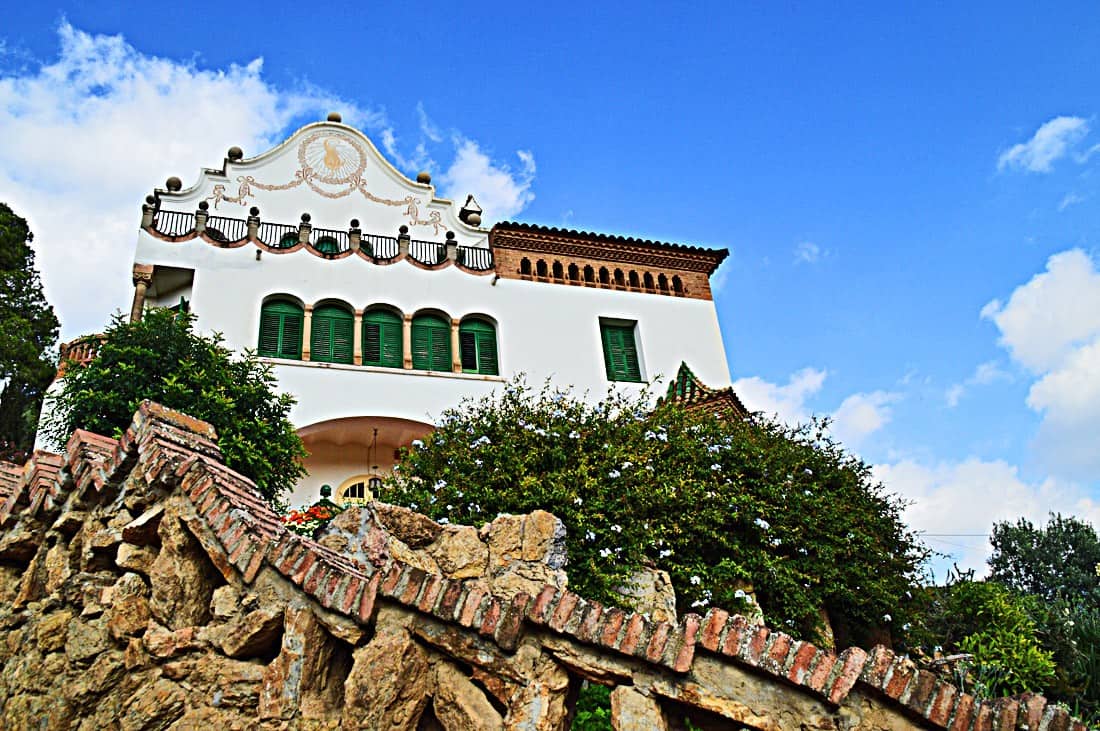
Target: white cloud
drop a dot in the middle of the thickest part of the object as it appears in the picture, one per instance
(721, 275)
(787, 401)
(807, 252)
(1054, 312)
(964, 499)
(427, 127)
(501, 192)
(985, 374)
(1051, 325)
(1049, 143)
(861, 415)
(1069, 199)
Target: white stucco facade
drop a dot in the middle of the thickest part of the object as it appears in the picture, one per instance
(544, 329)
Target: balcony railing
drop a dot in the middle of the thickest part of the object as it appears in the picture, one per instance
(328, 242)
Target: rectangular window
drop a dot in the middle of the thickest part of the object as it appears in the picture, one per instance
(620, 351)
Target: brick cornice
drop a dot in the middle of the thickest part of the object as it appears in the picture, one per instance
(605, 247)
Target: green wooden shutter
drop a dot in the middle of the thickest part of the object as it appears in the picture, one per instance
(331, 333)
(431, 343)
(620, 352)
(280, 330)
(478, 341)
(382, 339)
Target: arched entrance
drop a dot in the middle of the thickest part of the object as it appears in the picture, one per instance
(353, 454)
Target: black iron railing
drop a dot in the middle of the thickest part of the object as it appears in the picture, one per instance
(278, 235)
(427, 252)
(475, 257)
(330, 242)
(380, 247)
(173, 223)
(226, 230)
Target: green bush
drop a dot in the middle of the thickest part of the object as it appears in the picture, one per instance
(161, 358)
(717, 503)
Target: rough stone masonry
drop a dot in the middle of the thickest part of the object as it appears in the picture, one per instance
(143, 585)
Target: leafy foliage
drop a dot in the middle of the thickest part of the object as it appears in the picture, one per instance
(997, 627)
(719, 504)
(28, 331)
(593, 708)
(163, 359)
(1058, 561)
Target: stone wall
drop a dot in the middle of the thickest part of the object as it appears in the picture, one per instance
(143, 585)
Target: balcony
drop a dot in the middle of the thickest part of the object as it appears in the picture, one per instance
(327, 243)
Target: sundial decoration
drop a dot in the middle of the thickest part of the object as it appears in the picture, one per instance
(331, 164)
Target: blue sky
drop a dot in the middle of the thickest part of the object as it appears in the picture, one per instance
(910, 198)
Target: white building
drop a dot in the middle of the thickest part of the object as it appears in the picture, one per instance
(380, 305)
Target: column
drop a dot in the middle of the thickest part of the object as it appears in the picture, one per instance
(307, 328)
(357, 339)
(143, 277)
(456, 354)
(406, 338)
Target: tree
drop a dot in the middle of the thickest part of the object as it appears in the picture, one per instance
(28, 330)
(1058, 561)
(723, 505)
(161, 358)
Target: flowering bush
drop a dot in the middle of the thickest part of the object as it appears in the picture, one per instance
(306, 521)
(719, 504)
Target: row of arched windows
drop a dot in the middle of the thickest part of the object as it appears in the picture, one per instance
(387, 338)
(603, 277)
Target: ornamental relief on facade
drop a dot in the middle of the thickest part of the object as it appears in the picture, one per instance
(331, 165)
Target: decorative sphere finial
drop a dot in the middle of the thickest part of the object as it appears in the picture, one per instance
(253, 211)
(204, 206)
(306, 218)
(473, 219)
(424, 177)
(326, 490)
(173, 184)
(235, 153)
(355, 223)
(335, 117)
(403, 229)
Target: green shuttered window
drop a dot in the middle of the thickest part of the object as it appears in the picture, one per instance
(382, 345)
(620, 352)
(477, 342)
(331, 337)
(431, 343)
(281, 330)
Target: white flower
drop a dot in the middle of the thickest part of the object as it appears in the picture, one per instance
(589, 536)
(762, 524)
(605, 552)
(627, 465)
(650, 435)
(713, 449)
(695, 580)
(443, 521)
(617, 528)
(417, 443)
(887, 618)
(613, 474)
(740, 594)
(716, 467)
(477, 462)
(808, 471)
(662, 437)
(665, 553)
(578, 501)
(439, 485)
(574, 434)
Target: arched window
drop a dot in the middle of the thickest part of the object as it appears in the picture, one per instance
(559, 272)
(634, 280)
(382, 339)
(677, 285)
(662, 283)
(477, 341)
(540, 268)
(620, 280)
(525, 266)
(589, 274)
(648, 279)
(281, 330)
(605, 276)
(574, 273)
(431, 343)
(331, 338)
